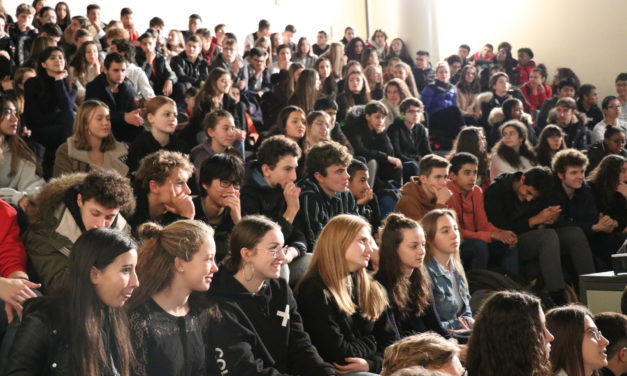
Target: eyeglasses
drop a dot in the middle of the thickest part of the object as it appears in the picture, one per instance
(9, 112)
(613, 107)
(276, 249)
(228, 184)
(594, 333)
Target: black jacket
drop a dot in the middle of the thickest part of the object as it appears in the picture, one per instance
(194, 73)
(366, 142)
(409, 145)
(49, 110)
(145, 144)
(580, 210)
(42, 343)
(503, 207)
(158, 73)
(257, 197)
(423, 77)
(337, 335)
(119, 104)
(615, 206)
(261, 333)
(317, 209)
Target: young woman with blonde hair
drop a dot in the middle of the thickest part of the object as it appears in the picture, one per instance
(448, 280)
(344, 309)
(92, 145)
(335, 54)
(167, 313)
(260, 332)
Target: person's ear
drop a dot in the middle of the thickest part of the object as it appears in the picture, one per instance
(94, 275)
(79, 200)
(211, 132)
(318, 176)
(178, 264)
(422, 178)
(245, 253)
(150, 117)
(560, 175)
(265, 170)
(154, 187)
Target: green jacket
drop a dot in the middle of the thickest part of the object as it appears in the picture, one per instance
(54, 231)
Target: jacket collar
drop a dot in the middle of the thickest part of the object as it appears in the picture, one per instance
(114, 159)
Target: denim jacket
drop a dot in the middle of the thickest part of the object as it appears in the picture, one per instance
(445, 302)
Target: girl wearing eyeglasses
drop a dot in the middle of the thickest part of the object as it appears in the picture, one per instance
(579, 348)
(260, 332)
(344, 309)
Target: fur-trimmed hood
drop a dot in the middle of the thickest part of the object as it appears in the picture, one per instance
(577, 117)
(52, 194)
(497, 116)
(484, 97)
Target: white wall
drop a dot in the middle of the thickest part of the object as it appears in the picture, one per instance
(587, 36)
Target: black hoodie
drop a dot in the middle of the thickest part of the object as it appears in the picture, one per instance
(338, 335)
(256, 336)
(503, 207)
(257, 197)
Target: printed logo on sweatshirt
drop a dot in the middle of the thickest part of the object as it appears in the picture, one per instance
(284, 315)
(221, 362)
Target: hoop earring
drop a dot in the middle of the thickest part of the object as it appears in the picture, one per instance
(252, 272)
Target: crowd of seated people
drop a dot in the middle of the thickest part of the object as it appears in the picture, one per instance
(192, 203)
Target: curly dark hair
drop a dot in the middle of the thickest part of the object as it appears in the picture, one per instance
(274, 148)
(410, 296)
(326, 154)
(510, 155)
(508, 337)
(158, 166)
(108, 188)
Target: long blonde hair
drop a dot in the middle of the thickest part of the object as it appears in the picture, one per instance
(335, 54)
(430, 224)
(329, 262)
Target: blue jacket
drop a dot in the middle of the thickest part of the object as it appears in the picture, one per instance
(445, 302)
(439, 96)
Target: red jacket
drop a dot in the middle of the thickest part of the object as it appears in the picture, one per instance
(534, 102)
(12, 251)
(524, 71)
(471, 215)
